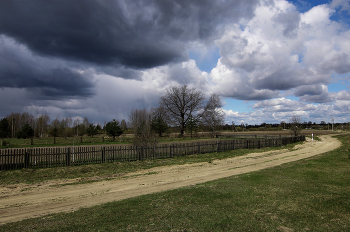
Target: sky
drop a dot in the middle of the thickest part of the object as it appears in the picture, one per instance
(267, 59)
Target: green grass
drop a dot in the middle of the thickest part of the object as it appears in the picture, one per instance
(62, 141)
(307, 195)
(78, 141)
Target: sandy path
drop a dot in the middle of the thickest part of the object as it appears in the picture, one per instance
(47, 198)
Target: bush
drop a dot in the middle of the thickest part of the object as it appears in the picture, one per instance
(26, 132)
(113, 129)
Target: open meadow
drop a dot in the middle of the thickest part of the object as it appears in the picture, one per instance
(102, 139)
(310, 194)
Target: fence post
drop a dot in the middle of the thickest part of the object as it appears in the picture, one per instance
(217, 146)
(139, 149)
(26, 159)
(154, 151)
(68, 156)
(142, 153)
(103, 155)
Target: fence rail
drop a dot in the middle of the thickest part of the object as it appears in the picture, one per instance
(67, 156)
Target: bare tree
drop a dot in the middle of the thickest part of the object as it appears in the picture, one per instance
(86, 122)
(213, 116)
(55, 128)
(123, 125)
(18, 120)
(192, 126)
(140, 121)
(283, 123)
(181, 103)
(15, 124)
(42, 125)
(4, 129)
(76, 124)
(295, 125)
(66, 127)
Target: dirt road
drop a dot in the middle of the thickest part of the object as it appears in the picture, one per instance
(27, 201)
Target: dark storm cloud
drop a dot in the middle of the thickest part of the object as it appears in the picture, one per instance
(137, 34)
(48, 79)
(54, 50)
(51, 83)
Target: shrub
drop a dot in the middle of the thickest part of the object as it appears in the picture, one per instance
(26, 132)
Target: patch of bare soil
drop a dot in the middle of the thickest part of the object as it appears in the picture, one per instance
(21, 201)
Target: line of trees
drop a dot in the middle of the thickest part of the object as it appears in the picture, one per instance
(185, 108)
(285, 125)
(181, 107)
(25, 125)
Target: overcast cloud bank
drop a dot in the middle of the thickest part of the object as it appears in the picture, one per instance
(99, 59)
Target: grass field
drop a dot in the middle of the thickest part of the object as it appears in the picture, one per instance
(62, 141)
(82, 141)
(127, 139)
(307, 195)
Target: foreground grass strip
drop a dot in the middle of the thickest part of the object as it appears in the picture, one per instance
(307, 195)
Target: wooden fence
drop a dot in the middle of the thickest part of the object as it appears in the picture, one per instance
(251, 136)
(67, 156)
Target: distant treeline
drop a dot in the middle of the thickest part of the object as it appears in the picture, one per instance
(42, 126)
(286, 125)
